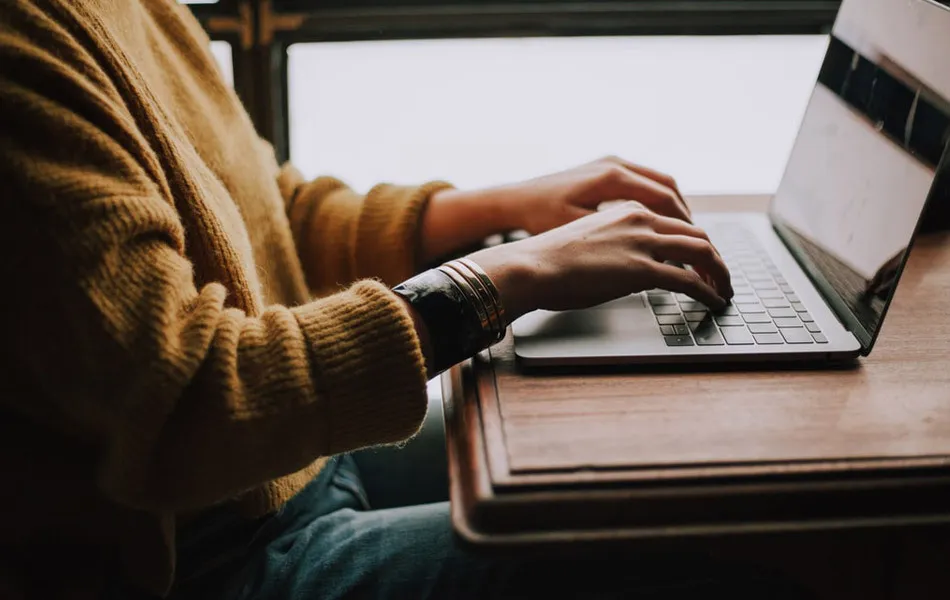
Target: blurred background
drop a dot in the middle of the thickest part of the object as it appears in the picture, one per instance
(711, 91)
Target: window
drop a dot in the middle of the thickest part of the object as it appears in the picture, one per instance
(222, 53)
(715, 112)
(287, 54)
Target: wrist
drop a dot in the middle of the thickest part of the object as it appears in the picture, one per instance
(513, 274)
(457, 219)
(506, 206)
(494, 209)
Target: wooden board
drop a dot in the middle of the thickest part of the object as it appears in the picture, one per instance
(540, 452)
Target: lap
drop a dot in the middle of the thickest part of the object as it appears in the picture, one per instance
(360, 531)
(329, 544)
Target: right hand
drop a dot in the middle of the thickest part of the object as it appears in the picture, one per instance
(604, 256)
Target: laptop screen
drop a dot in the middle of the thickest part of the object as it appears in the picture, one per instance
(864, 161)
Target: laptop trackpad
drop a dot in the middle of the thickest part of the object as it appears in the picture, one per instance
(620, 323)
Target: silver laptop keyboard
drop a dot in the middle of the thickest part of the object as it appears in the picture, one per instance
(765, 310)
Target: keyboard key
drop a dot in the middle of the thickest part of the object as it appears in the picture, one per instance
(683, 298)
(680, 330)
(667, 330)
(820, 338)
(813, 327)
(757, 318)
(805, 317)
(737, 336)
(770, 294)
(708, 335)
(796, 336)
(767, 339)
(750, 308)
(781, 281)
(670, 319)
(692, 305)
(763, 285)
(694, 317)
(763, 328)
(787, 322)
(775, 303)
(792, 297)
(798, 306)
(729, 310)
(729, 321)
(678, 340)
(782, 312)
(745, 299)
(661, 299)
(665, 309)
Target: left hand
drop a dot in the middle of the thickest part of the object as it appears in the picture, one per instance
(456, 219)
(547, 202)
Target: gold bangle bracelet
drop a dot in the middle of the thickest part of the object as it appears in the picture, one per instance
(483, 276)
(486, 296)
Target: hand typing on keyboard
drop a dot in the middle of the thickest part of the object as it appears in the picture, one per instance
(764, 310)
(607, 255)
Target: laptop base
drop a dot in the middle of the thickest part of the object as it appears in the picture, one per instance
(630, 330)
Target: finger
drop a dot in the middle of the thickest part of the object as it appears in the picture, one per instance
(655, 196)
(661, 178)
(671, 226)
(667, 225)
(696, 252)
(686, 282)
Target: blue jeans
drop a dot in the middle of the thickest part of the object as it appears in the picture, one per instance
(332, 542)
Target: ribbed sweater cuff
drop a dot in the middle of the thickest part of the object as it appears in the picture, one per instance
(390, 230)
(370, 366)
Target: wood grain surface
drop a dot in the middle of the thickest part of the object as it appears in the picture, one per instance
(891, 406)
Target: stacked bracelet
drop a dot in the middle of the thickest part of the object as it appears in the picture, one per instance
(461, 309)
(481, 292)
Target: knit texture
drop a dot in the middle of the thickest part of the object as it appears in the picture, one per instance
(165, 349)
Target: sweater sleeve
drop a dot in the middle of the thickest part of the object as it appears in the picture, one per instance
(187, 400)
(343, 236)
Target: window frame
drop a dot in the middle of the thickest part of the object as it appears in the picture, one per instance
(234, 22)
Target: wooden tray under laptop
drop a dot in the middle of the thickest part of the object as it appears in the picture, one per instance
(598, 455)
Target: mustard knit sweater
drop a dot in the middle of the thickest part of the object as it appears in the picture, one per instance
(182, 319)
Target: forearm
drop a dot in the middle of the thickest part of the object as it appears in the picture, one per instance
(456, 219)
(343, 236)
(194, 402)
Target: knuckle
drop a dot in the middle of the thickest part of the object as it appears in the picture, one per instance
(640, 262)
(669, 198)
(646, 240)
(611, 159)
(613, 173)
(637, 215)
(692, 278)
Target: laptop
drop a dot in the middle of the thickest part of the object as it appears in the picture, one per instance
(815, 275)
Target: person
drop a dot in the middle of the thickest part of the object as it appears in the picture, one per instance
(198, 337)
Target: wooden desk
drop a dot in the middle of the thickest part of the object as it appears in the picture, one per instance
(605, 455)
